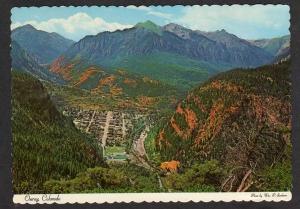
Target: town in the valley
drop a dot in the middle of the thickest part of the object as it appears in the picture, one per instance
(120, 134)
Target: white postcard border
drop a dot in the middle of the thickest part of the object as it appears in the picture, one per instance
(151, 197)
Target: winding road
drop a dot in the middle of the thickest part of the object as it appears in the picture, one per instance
(139, 144)
(139, 149)
(141, 154)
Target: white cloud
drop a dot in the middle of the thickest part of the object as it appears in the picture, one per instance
(240, 19)
(258, 21)
(75, 26)
(151, 11)
(160, 14)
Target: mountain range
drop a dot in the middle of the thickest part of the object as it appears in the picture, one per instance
(172, 53)
(148, 38)
(163, 53)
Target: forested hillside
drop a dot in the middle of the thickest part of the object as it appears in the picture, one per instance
(46, 145)
(100, 88)
(242, 119)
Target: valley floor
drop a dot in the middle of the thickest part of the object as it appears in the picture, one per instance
(151, 149)
(114, 131)
(121, 134)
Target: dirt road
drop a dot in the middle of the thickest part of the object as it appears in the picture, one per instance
(139, 144)
(139, 152)
(91, 121)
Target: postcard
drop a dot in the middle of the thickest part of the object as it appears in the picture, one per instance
(151, 103)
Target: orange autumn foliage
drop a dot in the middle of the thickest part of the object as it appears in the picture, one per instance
(190, 118)
(213, 124)
(58, 68)
(161, 140)
(179, 109)
(170, 166)
(85, 76)
(176, 128)
(107, 80)
(268, 108)
(197, 101)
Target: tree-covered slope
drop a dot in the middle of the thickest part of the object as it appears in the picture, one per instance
(241, 118)
(46, 145)
(114, 88)
(171, 69)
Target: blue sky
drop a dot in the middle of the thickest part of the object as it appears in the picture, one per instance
(249, 22)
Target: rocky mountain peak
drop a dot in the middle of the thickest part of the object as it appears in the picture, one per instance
(146, 23)
(26, 27)
(149, 25)
(178, 30)
(222, 31)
